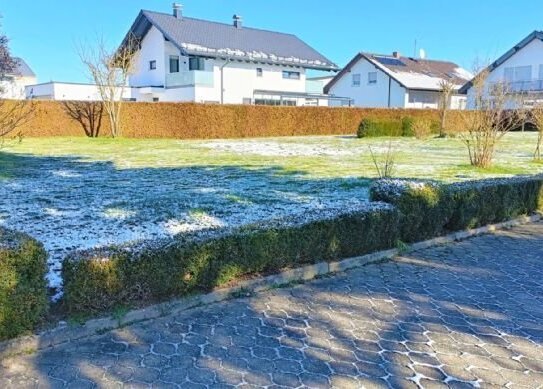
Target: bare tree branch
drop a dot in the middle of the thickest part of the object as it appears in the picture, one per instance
(87, 113)
(447, 90)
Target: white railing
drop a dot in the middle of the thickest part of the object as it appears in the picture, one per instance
(190, 78)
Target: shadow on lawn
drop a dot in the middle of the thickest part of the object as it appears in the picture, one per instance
(461, 314)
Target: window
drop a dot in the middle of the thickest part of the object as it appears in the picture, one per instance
(174, 64)
(540, 72)
(518, 73)
(152, 65)
(259, 72)
(356, 79)
(196, 63)
(291, 75)
(372, 78)
(156, 99)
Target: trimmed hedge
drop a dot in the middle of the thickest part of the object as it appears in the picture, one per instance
(23, 293)
(206, 121)
(427, 210)
(385, 127)
(96, 282)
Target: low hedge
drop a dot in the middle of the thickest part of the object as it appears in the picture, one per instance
(427, 209)
(370, 127)
(98, 281)
(23, 293)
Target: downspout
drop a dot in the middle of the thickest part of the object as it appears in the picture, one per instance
(222, 78)
(389, 88)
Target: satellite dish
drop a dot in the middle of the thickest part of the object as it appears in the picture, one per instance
(422, 54)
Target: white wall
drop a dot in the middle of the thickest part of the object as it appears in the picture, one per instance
(370, 95)
(15, 88)
(530, 55)
(67, 91)
(152, 49)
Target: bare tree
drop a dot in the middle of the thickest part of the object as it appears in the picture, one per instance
(537, 117)
(87, 113)
(495, 113)
(110, 69)
(447, 90)
(13, 113)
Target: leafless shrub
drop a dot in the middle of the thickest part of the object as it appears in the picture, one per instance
(537, 117)
(384, 162)
(87, 113)
(109, 70)
(422, 128)
(447, 90)
(495, 113)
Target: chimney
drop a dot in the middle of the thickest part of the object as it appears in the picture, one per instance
(237, 21)
(396, 54)
(177, 10)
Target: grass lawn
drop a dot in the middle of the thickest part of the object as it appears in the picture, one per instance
(78, 193)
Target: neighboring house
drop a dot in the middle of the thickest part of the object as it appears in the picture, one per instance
(393, 81)
(13, 85)
(521, 69)
(68, 91)
(319, 83)
(186, 59)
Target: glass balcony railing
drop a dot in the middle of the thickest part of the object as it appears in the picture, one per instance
(314, 86)
(190, 78)
(524, 86)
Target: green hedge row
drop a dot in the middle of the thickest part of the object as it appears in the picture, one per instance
(95, 282)
(23, 293)
(427, 210)
(98, 281)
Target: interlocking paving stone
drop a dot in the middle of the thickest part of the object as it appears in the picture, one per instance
(468, 314)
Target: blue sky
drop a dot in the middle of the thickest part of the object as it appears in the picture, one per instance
(46, 32)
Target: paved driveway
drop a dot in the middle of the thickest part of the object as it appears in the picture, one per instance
(463, 315)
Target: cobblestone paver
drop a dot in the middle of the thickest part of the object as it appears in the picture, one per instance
(459, 316)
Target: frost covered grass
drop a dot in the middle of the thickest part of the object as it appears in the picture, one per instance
(78, 193)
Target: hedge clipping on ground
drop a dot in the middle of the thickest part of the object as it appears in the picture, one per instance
(23, 293)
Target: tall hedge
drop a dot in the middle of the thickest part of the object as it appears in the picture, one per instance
(23, 293)
(95, 282)
(205, 121)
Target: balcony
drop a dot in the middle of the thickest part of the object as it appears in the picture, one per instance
(525, 86)
(190, 78)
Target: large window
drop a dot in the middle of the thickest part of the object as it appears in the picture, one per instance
(196, 63)
(356, 79)
(291, 75)
(518, 73)
(372, 78)
(174, 64)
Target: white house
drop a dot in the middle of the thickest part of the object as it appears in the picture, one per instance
(393, 81)
(13, 85)
(187, 59)
(521, 69)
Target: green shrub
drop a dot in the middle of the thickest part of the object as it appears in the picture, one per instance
(23, 293)
(380, 127)
(98, 281)
(428, 210)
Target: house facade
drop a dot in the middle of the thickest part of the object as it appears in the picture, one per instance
(186, 59)
(13, 85)
(520, 70)
(393, 81)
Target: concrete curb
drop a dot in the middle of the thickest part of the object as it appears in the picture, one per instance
(64, 333)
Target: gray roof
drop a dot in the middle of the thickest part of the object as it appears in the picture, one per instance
(506, 56)
(22, 69)
(219, 40)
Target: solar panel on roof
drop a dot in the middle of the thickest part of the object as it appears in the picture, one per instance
(387, 61)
